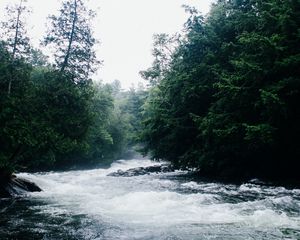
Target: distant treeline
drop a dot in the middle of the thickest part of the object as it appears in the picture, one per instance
(53, 115)
(226, 92)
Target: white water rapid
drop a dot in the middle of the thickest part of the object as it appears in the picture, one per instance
(91, 205)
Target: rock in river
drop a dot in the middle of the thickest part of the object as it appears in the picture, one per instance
(15, 186)
(142, 171)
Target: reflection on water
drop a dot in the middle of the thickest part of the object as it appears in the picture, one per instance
(91, 205)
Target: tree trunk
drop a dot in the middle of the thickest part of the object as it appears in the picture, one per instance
(65, 63)
(15, 46)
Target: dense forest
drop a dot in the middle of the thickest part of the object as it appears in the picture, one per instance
(225, 93)
(52, 114)
(222, 98)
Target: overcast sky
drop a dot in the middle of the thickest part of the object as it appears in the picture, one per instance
(125, 29)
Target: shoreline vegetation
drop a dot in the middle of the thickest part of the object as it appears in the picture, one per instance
(222, 96)
(225, 93)
(53, 116)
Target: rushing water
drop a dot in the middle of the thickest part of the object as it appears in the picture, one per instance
(91, 205)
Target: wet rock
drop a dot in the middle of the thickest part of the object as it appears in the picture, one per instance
(15, 186)
(142, 171)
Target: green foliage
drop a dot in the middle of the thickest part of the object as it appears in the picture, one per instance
(14, 34)
(164, 46)
(52, 121)
(127, 116)
(228, 104)
(54, 116)
(72, 38)
(13, 30)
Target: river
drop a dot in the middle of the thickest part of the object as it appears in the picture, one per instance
(170, 206)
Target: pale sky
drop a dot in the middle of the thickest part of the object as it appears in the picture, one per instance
(125, 29)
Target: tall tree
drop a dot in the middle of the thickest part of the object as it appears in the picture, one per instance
(14, 33)
(71, 36)
(228, 105)
(163, 49)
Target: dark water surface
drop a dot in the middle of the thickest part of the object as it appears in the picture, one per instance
(91, 205)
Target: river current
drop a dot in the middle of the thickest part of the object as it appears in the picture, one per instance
(160, 206)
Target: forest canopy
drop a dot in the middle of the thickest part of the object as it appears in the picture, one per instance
(226, 101)
(222, 98)
(53, 115)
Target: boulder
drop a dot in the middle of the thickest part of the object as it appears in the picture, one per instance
(142, 171)
(15, 186)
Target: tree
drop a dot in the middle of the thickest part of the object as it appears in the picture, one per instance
(37, 58)
(14, 134)
(15, 36)
(228, 104)
(70, 34)
(164, 47)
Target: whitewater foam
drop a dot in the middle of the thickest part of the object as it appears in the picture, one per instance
(155, 201)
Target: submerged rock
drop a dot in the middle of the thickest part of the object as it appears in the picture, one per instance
(142, 171)
(15, 186)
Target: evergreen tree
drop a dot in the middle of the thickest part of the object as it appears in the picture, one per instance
(228, 103)
(14, 34)
(70, 34)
